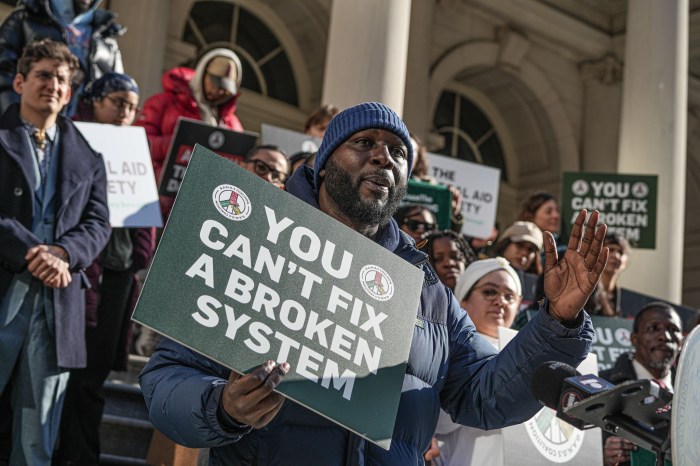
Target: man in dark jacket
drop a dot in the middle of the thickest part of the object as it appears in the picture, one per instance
(359, 177)
(54, 221)
(89, 32)
(656, 338)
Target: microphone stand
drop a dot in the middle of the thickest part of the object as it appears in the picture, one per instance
(636, 410)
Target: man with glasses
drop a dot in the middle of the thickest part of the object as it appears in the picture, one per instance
(269, 162)
(54, 221)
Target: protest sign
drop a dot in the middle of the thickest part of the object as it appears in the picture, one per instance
(546, 439)
(289, 141)
(479, 185)
(611, 337)
(131, 186)
(232, 145)
(246, 272)
(436, 198)
(627, 203)
(610, 340)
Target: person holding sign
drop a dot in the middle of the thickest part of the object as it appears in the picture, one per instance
(359, 177)
(112, 99)
(54, 221)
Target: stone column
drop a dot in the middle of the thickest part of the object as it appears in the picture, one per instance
(143, 46)
(366, 52)
(417, 112)
(653, 134)
(602, 93)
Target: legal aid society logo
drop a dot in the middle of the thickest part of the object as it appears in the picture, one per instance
(376, 282)
(232, 202)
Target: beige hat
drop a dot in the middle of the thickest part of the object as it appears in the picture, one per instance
(481, 268)
(224, 72)
(520, 232)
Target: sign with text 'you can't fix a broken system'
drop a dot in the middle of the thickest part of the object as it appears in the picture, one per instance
(627, 203)
(246, 272)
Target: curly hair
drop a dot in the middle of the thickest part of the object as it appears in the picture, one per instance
(462, 245)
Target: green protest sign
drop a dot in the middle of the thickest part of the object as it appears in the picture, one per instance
(627, 203)
(436, 198)
(611, 339)
(246, 272)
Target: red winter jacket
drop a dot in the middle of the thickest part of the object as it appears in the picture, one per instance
(161, 111)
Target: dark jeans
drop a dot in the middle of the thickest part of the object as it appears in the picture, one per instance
(79, 438)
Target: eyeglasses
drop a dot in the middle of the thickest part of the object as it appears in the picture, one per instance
(491, 293)
(48, 76)
(263, 169)
(122, 104)
(414, 225)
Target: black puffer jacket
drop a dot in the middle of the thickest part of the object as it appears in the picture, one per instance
(32, 20)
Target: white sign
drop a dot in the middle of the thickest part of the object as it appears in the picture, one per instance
(479, 185)
(289, 141)
(546, 439)
(131, 185)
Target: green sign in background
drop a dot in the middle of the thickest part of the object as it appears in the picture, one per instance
(169, 300)
(435, 197)
(627, 203)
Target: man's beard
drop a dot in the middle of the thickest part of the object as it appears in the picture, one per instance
(345, 192)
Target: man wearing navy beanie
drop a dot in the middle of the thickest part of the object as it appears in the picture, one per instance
(359, 177)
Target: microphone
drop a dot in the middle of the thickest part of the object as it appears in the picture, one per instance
(637, 410)
(558, 386)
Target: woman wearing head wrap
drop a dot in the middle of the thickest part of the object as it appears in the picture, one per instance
(112, 99)
(490, 291)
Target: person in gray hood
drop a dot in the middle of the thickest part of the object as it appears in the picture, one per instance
(89, 32)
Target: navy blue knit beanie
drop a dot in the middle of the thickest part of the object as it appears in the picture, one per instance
(358, 118)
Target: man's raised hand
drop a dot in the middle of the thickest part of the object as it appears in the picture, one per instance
(570, 281)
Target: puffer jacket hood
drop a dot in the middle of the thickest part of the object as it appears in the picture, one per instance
(212, 114)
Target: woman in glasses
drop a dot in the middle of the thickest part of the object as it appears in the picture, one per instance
(113, 99)
(449, 254)
(490, 291)
(416, 220)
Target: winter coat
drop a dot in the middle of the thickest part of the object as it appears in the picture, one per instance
(33, 20)
(449, 366)
(81, 225)
(181, 97)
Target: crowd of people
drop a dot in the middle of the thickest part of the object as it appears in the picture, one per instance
(69, 282)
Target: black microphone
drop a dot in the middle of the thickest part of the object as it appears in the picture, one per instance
(558, 386)
(637, 410)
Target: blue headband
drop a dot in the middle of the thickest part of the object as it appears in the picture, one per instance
(108, 83)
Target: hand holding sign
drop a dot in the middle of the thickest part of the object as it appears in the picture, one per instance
(568, 283)
(250, 399)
